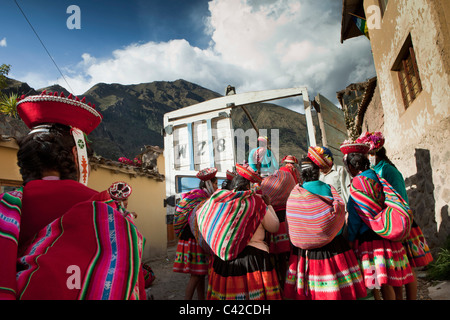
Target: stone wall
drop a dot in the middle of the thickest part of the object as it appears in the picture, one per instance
(425, 166)
(417, 136)
(374, 117)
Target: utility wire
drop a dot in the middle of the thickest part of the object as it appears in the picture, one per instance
(23, 13)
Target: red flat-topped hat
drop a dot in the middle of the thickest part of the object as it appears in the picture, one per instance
(230, 175)
(207, 174)
(54, 108)
(290, 159)
(353, 147)
(248, 173)
(71, 111)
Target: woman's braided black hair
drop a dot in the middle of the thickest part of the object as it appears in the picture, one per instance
(48, 150)
(309, 170)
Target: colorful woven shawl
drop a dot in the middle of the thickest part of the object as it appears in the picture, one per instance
(228, 221)
(193, 223)
(10, 214)
(278, 186)
(313, 220)
(90, 252)
(381, 207)
(289, 167)
(184, 208)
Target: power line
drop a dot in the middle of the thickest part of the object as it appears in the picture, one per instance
(54, 62)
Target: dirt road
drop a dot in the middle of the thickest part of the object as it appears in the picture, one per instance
(168, 285)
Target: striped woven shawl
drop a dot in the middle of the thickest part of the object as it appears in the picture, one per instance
(90, 252)
(381, 207)
(278, 186)
(313, 220)
(228, 220)
(184, 208)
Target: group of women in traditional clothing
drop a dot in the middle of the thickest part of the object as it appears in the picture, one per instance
(290, 235)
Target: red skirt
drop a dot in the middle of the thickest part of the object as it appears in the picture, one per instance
(189, 256)
(149, 275)
(416, 247)
(331, 272)
(251, 276)
(382, 261)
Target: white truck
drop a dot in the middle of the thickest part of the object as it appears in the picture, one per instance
(202, 135)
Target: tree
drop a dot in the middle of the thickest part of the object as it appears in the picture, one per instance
(8, 104)
(4, 70)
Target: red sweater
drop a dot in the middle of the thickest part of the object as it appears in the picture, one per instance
(47, 200)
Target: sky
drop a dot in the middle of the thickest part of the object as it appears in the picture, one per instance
(251, 44)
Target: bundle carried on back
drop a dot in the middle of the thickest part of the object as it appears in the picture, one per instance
(228, 220)
(313, 220)
(278, 187)
(391, 218)
(184, 208)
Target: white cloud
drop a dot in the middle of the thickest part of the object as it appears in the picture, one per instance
(255, 45)
(3, 42)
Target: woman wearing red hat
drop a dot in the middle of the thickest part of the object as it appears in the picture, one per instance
(233, 224)
(190, 257)
(278, 187)
(58, 239)
(120, 191)
(383, 261)
(416, 246)
(322, 266)
(290, 165)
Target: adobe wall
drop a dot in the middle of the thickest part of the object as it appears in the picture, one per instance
(374, 116)
(417, 137)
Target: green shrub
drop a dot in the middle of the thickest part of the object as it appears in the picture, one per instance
(440, 268)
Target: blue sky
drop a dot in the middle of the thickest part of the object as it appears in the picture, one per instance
(252, 44)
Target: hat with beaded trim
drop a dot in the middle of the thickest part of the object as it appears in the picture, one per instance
(54, 108)
(349, 146)
(48, 108)
(207, 174)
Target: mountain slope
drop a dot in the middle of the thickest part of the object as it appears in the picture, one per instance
(133, 116)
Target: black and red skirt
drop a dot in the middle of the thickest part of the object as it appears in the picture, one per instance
(382, 261)
(330, 272)
(250, 276)
(189, 256)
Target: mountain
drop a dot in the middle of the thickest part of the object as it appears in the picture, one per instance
(291, 126)
(133, 115)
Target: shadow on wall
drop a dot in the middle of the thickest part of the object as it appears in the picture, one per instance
(420, 188)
